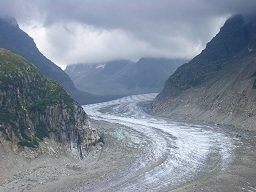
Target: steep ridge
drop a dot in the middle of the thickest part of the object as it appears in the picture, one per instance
(14, 39)
(147, 75)
(218, 85)
(34, 107)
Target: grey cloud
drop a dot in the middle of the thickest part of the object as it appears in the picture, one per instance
(173, 26)
(123, 13)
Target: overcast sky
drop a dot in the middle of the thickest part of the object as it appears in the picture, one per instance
(89, 31)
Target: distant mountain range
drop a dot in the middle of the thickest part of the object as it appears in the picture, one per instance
(123, 77)
(218, 85)
(14, 39)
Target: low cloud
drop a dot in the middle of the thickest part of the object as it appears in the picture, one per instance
(78, 31)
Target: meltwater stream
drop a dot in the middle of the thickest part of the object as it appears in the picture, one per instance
(177, 152)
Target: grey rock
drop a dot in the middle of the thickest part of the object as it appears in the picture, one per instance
(34, 107)
(217, 86)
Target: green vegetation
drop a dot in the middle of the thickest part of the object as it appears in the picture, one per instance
(54, 94)
(12, 65)
(26, 95)
(33, 143)
(41, 132)
(6, 116)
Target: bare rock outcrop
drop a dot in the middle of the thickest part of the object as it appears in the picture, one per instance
(218, 85)
(34, 107)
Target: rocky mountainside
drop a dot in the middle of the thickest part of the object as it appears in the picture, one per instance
(218, 85)
(14, 39)
(123, 77)
(33, 107)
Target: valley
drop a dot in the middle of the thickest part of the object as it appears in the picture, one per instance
(144, 152)
(176, 153)
(156, 109)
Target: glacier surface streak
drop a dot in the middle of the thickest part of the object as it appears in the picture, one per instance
(177, 153)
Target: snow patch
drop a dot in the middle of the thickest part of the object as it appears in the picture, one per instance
(102, 66)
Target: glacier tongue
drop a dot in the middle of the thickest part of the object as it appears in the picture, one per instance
(177, 152)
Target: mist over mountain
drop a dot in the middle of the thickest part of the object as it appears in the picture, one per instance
(218, 85)
(123, 77)
(14, 39)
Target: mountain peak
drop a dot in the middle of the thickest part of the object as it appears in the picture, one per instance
(234, 20)
(236, 35)
(218, 84)
(233, 37)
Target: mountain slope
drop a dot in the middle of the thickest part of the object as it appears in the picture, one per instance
(33, 107)
(14, 39)
(218, 85)
(123, 77)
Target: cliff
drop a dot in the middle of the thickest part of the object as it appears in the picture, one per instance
(34, 107)
(218, 85)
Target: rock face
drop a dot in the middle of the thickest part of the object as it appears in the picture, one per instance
(14, 39)
(123, 77)
(34, 107)
(218, 85)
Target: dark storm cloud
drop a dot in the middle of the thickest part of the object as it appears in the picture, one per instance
(127, 14)
(112, 29)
